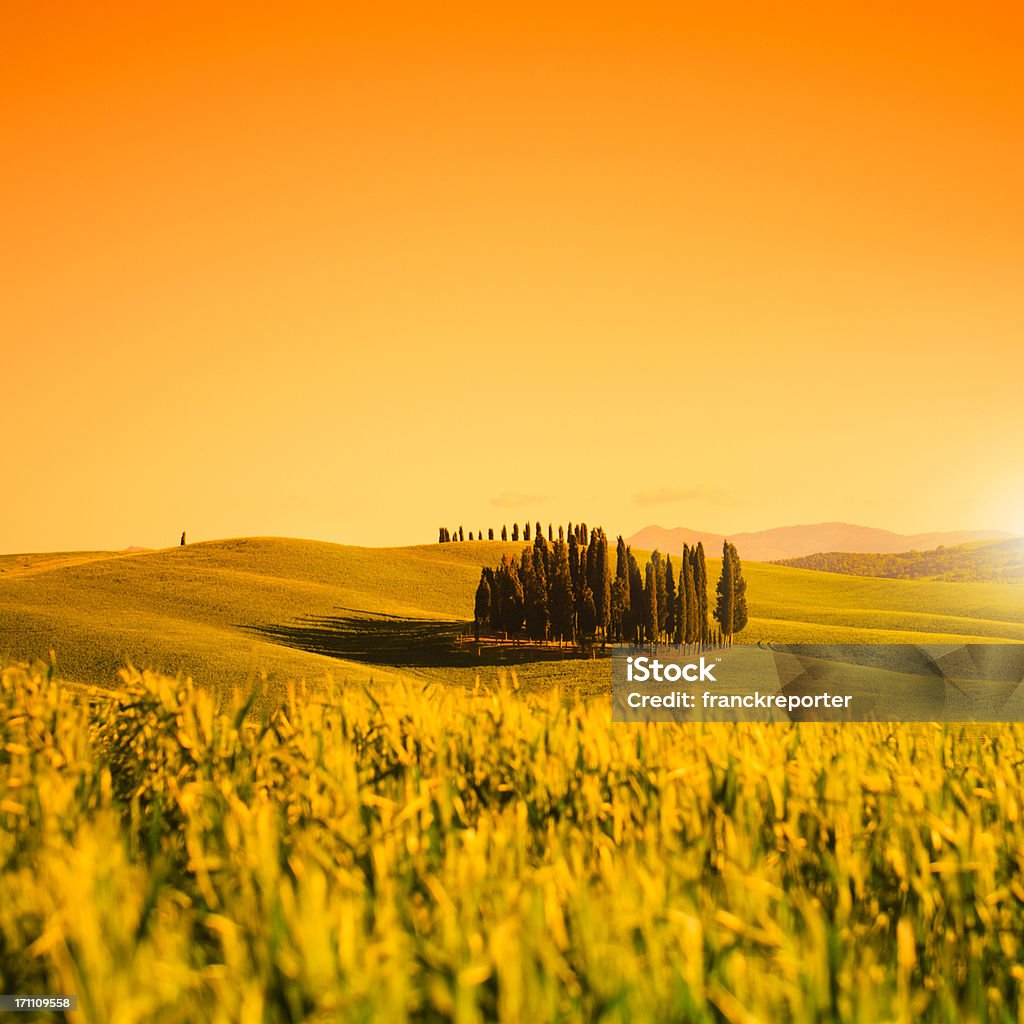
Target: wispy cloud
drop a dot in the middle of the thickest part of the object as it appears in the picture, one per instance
(679, 495)
(518, 499)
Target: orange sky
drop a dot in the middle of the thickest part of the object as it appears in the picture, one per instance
(317, 271)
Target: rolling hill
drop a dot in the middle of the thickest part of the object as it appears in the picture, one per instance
(226, 611)
(991, 560)
(795, 541)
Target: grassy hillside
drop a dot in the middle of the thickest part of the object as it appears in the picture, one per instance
(1002, 561)
(225, 611)
(804, 606)
(198, 609)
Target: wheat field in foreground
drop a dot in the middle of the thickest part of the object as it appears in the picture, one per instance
(407, 853)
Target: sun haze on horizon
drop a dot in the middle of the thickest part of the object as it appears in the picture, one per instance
(353, 274)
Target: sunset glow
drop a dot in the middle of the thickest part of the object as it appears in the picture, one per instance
(346, 274)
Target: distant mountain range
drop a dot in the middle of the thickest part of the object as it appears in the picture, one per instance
(796, 541)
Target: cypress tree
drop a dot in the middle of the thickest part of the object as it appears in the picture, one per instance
(562, 602)
(620, 596)
(535, 592)
(603, 590)
(512, 597)
(490, 533)
(461, 537)
(588, 614)
(619, 605)
(682, 612)
(636, 602)
(540, 546)
(551, 534)
(590, 565)
(621, 559)
(540, 561)
(670, 599)
(482, 606)
(659, 578)
(700, 580)
(650, 620)
(692, 600)
(526, 531)
(725, 606)
(574, 567)
(739, 615)
(731, 609)
(538, 532)
(504, 532)
(515, 531)
(494, 616)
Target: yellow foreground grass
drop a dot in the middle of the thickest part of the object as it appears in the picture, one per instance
(401, 853)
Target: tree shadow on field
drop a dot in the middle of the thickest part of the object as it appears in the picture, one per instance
(403, 642)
